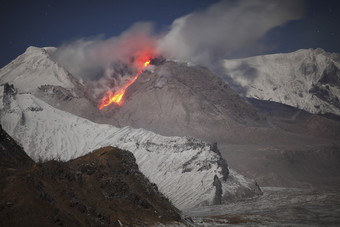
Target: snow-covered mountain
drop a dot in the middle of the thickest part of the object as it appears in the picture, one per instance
(33, 69)
(308, 79)
(169, 98)
(188, 171)
(35, 72)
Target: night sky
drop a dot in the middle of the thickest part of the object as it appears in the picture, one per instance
(52, 23)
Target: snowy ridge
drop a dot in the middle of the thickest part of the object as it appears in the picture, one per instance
(33, 69)
(188, 171)
(306, 79)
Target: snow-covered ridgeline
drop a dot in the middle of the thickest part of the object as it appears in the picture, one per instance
(188, 171)
(33, 69)
(306, 79)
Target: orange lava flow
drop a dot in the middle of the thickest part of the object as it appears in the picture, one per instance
(117, 97)
(146, 63)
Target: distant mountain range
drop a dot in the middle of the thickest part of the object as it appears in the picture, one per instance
(306, 79)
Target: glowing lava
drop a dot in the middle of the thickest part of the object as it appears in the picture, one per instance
(146, 63)
(117, 97)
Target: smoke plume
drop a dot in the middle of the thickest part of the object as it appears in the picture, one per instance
(227, 28)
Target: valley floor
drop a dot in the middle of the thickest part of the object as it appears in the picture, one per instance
(277, 207)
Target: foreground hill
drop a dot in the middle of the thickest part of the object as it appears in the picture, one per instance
(102, 188)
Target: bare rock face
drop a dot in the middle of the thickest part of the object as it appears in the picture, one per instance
(11, 154)
(104, 188)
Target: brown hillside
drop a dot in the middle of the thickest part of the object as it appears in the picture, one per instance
(104, 188)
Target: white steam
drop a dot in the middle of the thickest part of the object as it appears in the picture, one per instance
(226, 28)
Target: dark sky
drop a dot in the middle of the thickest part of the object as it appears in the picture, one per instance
(50, 23)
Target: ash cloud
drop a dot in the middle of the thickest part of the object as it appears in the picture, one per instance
(227, 28)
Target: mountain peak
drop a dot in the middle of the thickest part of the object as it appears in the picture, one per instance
(33, 69)
(34, 49)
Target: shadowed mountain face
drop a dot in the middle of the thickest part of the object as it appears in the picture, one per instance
(11, 154)
(291, 119)
(103, 188)
(312, 163)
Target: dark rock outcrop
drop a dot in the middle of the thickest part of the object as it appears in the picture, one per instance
(103, 188)
(11, 154)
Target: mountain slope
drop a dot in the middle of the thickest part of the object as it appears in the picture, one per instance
(188, 171)
(12, 155)
(306, 79)
(35, 72)
(102, 188)
(34, 69)
(176, 99)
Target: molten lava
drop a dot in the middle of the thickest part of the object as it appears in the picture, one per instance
(146, 63)
(117, 97)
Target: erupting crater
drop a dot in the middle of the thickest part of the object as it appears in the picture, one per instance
(117, 96)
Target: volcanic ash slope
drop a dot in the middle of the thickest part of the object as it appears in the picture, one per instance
(178, 99)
